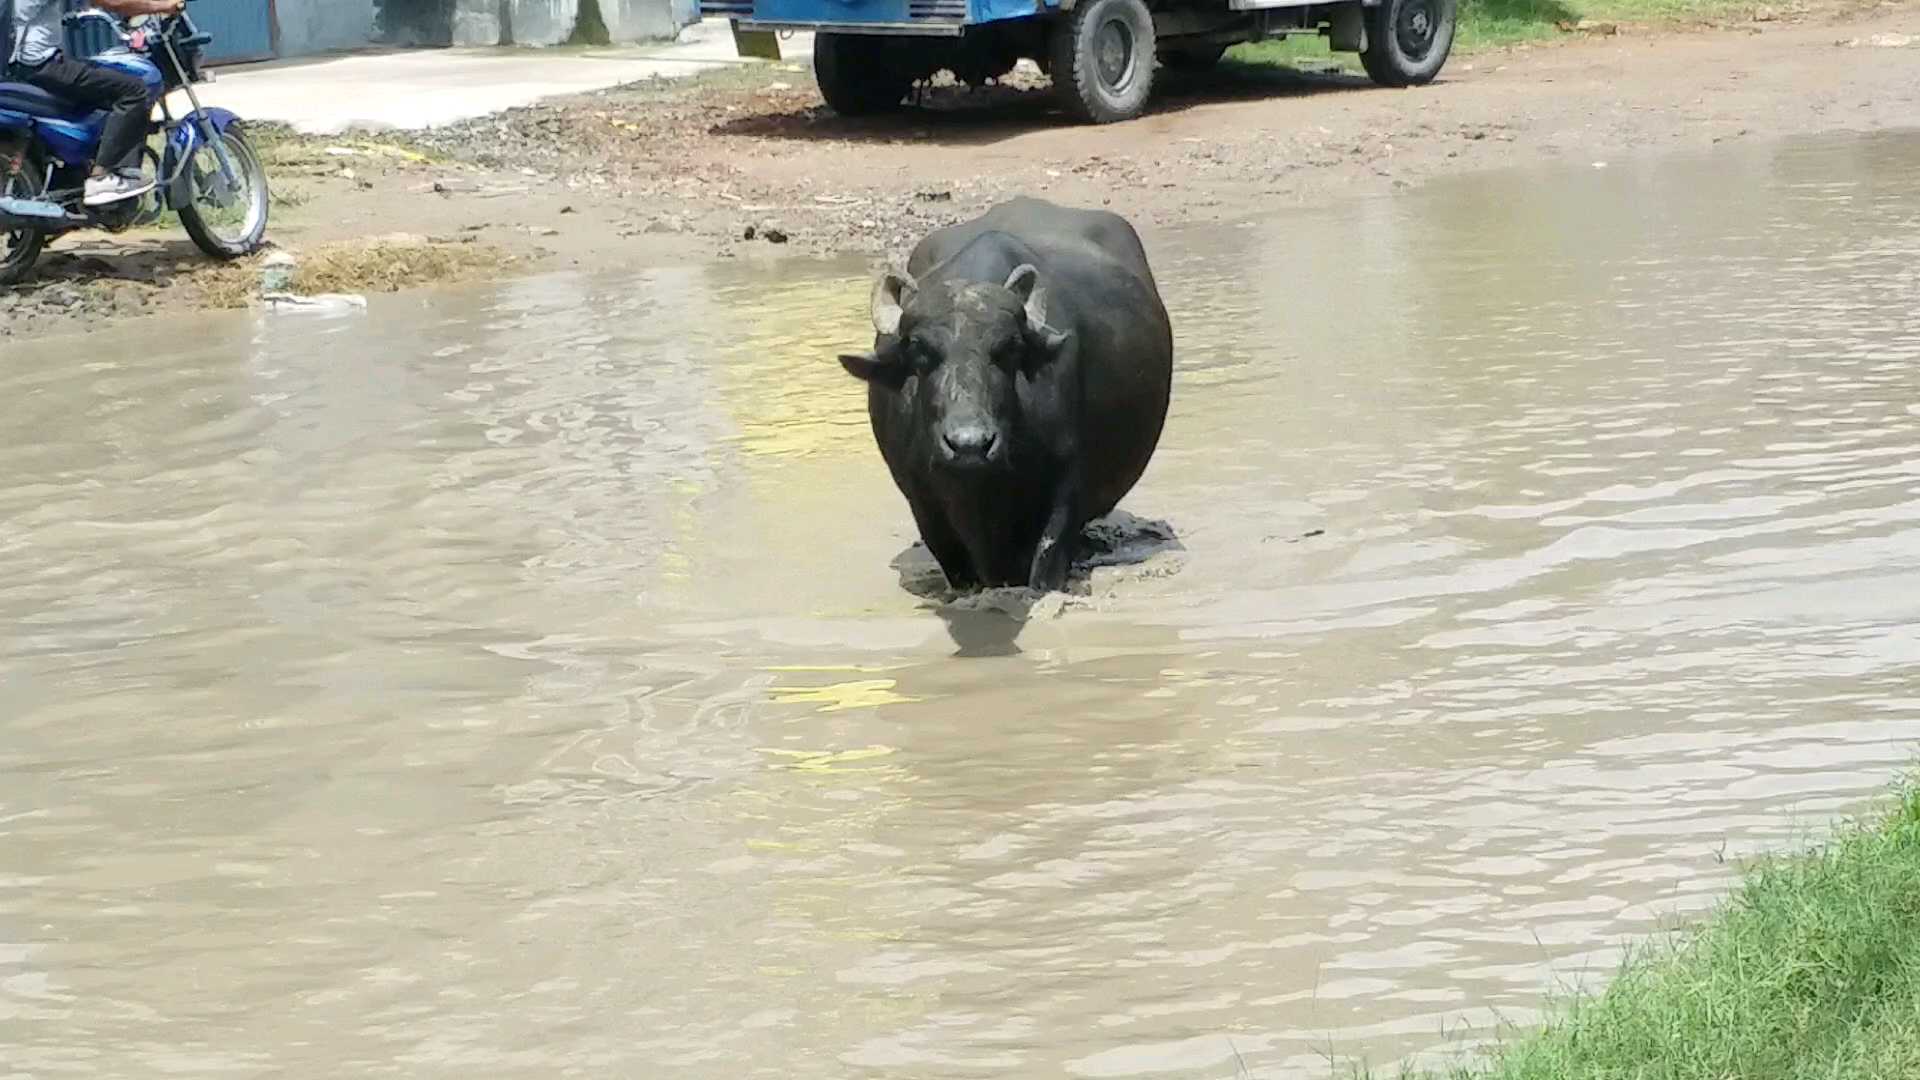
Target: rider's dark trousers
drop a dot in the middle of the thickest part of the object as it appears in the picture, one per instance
(122, 95)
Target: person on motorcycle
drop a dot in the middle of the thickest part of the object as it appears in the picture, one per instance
(38, 59)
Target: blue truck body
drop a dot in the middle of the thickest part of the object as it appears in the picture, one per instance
(1101, 54)
(924, 17)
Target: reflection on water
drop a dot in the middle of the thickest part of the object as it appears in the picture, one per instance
(521, 682)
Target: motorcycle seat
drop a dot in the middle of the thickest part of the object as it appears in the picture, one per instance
(33, 101)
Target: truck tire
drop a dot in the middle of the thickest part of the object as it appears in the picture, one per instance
(1103, 53)
(1408, 40)
(857, 75)
(1192, 57)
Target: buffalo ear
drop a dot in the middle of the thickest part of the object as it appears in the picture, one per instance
(1024, 284)
(891, 293)
(862, 366)
(873, 367)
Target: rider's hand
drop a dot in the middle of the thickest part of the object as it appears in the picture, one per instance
(168, 7)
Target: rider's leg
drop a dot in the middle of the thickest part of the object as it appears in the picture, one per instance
(117, 172)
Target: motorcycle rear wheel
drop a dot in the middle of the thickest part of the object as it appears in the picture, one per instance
(20, 248)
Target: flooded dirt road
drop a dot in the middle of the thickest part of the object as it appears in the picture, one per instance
(520, 682)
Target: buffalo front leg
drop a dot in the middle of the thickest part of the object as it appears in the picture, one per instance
(1059, 539)
(945, 546)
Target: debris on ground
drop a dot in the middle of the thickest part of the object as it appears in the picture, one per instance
(323, 304)
(749, 158)
(1880, 41)
(380, 264)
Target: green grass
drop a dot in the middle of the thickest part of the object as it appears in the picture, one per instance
(1810, 970)
(1487, 24)
(1298, 50)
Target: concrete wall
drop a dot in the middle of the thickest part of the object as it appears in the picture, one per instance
(648, 20)
(475, 22)
(415, 22)
(526, 22)
(513, 22)
(539, 22)
(315, 26)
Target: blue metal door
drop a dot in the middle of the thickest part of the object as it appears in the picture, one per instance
(241, 29)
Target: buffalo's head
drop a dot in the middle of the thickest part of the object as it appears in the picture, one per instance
(957, 350)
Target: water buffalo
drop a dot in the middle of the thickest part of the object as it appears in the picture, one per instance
(1017, 386)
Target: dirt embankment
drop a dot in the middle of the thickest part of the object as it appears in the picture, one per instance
(751, 162)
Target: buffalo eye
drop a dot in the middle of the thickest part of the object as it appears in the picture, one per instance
(922, 357)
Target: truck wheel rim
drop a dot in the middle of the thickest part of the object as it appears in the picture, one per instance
(1415, 28)
(1115, 54)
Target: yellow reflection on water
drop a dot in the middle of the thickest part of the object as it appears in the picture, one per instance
(828, 760)
(834, 697)
(779, 379)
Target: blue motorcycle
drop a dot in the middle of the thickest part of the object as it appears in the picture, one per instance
(208, 171)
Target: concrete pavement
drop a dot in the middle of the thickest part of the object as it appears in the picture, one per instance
(401, 89)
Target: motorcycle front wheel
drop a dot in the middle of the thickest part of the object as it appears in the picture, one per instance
(227, 220)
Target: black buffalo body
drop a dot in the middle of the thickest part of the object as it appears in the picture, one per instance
(1018, 385)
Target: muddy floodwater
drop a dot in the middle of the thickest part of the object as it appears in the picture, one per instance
(537, 680)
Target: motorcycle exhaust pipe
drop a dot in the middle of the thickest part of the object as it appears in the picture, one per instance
(35, 214)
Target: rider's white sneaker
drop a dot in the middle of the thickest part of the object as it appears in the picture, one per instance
(113, 187)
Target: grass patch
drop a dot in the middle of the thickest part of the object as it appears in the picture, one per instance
(280, 145)
(1810, 970)
(368, 266)
(1489, 24)
(389, 266)
(1308, 51)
